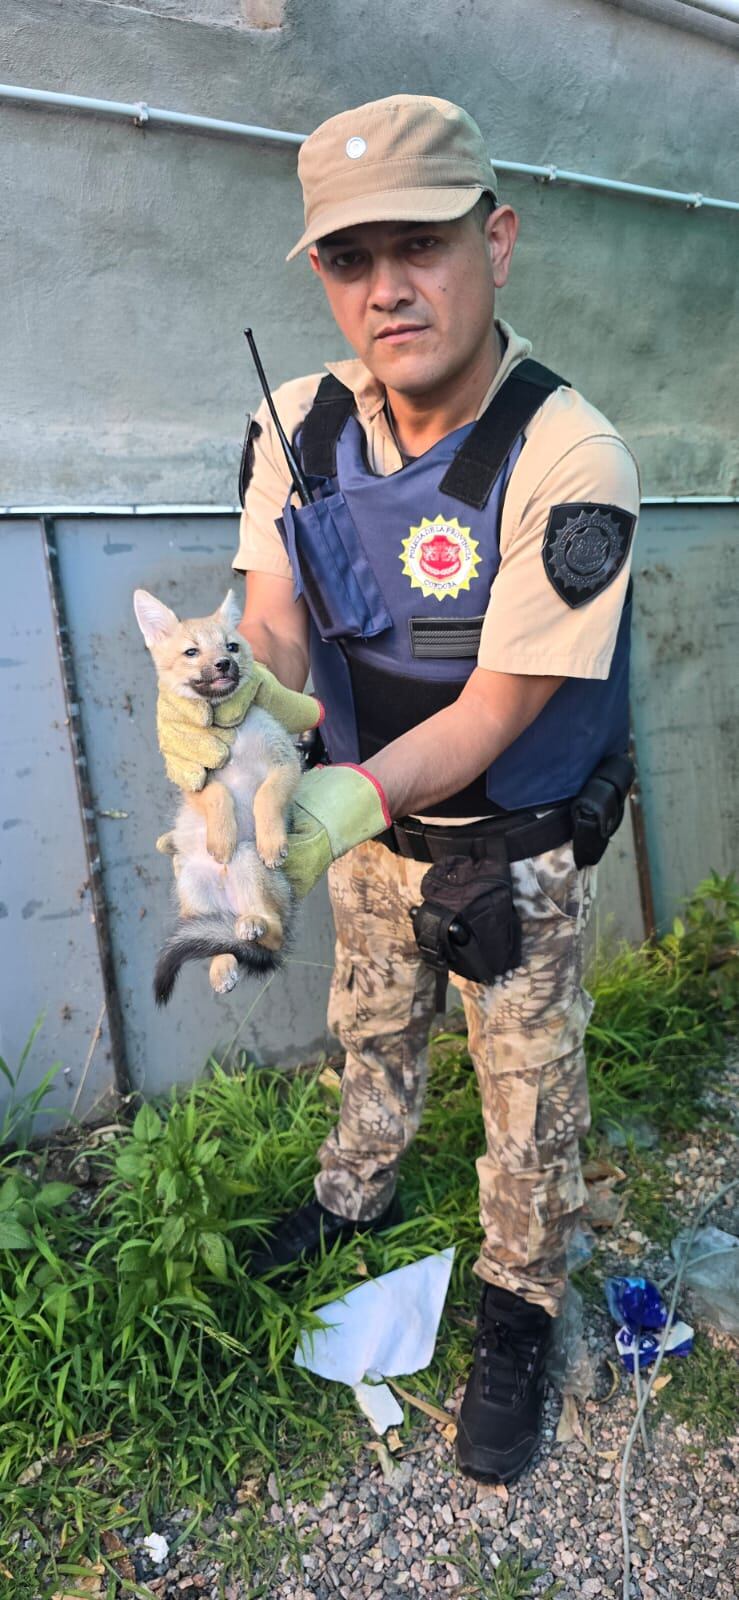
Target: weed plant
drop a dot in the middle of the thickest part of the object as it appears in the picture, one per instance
(661, 1016)
(144, 1368)
(512, 1579)
(704, 1385)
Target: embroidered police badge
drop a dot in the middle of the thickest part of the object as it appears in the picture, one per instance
(585, 547)
(439, 557)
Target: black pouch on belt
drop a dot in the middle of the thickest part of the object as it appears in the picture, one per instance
(467, 920)
(598, 810)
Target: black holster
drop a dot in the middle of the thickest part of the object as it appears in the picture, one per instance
(311, 749)
(467, 921)
(598, 809)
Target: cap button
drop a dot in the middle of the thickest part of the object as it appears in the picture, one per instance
(355, 147)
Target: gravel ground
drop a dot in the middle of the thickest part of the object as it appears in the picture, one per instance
(408, 1536)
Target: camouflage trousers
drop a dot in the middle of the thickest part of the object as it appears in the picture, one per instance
(526, 1042)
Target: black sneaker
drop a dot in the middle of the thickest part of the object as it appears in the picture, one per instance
(499, 1421)
(300, 1232)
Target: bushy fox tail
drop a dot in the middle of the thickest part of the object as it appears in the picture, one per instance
(198, 938)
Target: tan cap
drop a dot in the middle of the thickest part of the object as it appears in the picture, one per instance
(409, 158)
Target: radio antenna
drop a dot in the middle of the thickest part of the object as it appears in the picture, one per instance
(300, 482)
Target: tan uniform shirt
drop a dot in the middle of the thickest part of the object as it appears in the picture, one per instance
(573, 454)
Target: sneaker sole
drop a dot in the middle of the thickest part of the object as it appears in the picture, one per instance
(479, 1475)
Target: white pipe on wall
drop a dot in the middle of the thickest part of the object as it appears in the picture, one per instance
(142, 115)
(172, 509)
(728, 9)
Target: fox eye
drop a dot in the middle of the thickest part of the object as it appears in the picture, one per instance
(233, 647)
(192, 651)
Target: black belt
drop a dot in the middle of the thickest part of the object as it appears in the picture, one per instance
(525, 835)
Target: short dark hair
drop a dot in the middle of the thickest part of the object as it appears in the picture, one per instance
(484, 208)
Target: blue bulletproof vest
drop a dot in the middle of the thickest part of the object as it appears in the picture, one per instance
(397, 572)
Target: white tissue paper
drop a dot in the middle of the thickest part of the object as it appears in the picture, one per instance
(157, 1547)
(384, 1328)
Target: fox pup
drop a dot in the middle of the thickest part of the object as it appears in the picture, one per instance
(228, 840)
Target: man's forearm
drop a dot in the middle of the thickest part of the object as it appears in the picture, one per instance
(285, 659)
(449, 750)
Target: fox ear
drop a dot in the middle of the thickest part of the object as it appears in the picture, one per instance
(155, 620)
(230, 611)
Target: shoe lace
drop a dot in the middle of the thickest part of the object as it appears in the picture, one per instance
(508, 1356)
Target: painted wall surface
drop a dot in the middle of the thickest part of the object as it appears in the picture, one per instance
(131, 260)
(49, 966)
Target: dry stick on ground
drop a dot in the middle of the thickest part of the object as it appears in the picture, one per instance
(96, 1035)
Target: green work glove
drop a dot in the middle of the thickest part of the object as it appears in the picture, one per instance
(196, 738)
(335, 808)
(296, 712)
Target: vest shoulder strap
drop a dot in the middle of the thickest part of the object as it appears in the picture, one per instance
(323, 424)
(475, 467)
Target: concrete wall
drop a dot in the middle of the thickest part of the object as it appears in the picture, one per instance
(131, 260)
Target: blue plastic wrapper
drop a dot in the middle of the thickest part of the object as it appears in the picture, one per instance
(679, 1343)
(636, 1302)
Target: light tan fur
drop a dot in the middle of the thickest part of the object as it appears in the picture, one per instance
(229, 840)
(223, 973)
(215, 804)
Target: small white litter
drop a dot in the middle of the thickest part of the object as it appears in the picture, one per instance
(157, 1547)
(385, 1328)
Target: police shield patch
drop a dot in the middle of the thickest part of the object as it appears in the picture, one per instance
(585, 547)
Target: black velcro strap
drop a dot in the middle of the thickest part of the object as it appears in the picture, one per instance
(524, 836)
(439, 638)
(475, 467)
(387, 703)
(321, 428)
(252, 431)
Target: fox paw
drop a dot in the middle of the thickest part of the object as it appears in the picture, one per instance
(223, 973)
(273, 935)
(250, 929)
(272, 847)
(220, 844)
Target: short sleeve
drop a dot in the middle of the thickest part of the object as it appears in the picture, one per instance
(535, 621)
(260, 546)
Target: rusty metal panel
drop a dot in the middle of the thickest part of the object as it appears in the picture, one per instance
(685, 717)
(48, 949)
(685, 693)
(186, 562)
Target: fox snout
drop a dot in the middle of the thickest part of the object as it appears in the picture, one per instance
(216, 681)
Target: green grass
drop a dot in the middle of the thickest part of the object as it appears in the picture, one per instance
(703, 1391)
(650, 1197)
(136, 1318)
(661, 1016)
(144, 1369)
(512, 1579)
(23, 1584)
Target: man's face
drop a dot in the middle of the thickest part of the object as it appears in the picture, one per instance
(416, 300)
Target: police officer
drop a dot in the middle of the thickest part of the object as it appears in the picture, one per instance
(458, 587)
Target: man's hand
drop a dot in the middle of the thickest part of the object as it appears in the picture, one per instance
(196, 738)
(334, 809)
